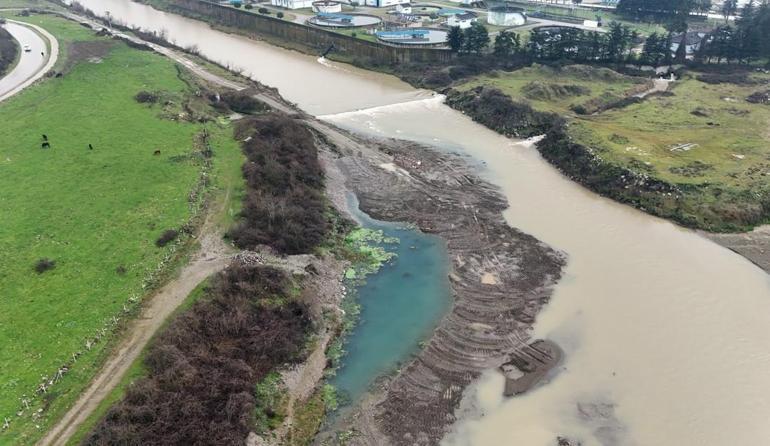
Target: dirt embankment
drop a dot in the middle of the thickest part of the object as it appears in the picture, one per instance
(754, 245)
(500, 279)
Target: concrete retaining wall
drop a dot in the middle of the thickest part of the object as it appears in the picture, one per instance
(311, 37)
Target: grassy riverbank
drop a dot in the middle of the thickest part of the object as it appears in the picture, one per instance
(702, 145)
(9, 51)
(81, 225)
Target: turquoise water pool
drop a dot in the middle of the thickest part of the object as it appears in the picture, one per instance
(401, 304)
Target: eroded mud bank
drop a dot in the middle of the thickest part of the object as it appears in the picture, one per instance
(500, 279)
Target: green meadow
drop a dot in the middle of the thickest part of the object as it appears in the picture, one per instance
(548, 89)
(95, 212)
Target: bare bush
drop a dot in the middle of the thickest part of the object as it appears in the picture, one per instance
(241, 102)
(204, 367)
(284, 206)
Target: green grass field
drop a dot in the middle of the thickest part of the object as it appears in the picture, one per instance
(732, 136)
(595, 82)
(96, 213)
(704, 137)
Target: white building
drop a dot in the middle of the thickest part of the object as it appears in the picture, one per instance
(694, 40)
(506, 16)
(384, 3)
(292, 4)
(404, 8)
(463, 21)
(327, 7)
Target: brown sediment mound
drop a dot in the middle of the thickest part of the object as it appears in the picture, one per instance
(528, 365)
(489, 321)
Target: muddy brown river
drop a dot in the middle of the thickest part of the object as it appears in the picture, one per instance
(665, 333)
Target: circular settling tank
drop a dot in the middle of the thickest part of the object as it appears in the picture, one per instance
(506, 16)
(328, 7)
(414, 36)
(426, 10)
(446, 12)
(337, 20)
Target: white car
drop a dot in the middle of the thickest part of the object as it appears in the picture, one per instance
(27, 48)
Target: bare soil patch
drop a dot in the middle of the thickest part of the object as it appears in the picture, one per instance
(92, 51)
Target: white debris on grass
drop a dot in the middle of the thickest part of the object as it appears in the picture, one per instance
(683, 147)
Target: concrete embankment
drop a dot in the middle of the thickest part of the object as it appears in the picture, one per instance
(312, 39)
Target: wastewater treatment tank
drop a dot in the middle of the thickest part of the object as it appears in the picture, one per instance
(506, 16)
(327, 7)
(338, 20)
(425, 10)
(414, 36)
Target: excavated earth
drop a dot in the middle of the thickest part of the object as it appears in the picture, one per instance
(501, 278)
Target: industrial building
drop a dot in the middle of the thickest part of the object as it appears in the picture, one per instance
(292, 4)
(463, 21)
(384, 3)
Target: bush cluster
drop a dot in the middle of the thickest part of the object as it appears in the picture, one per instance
(739, 78)
(284, 206)
(241, 102)
(202, 370)
(494, 109)
(146, 97)
(44, 265)
(167, 237)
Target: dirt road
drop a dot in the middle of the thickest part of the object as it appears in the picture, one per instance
(212, 257)
(33, 64)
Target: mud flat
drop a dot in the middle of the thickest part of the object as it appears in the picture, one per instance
(500, 279)
(754, 245)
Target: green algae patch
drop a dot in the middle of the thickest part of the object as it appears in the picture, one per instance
(368, 251)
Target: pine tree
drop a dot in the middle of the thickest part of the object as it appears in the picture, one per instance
(729, 8)
(649, 52)
(505, 43)
(476, 38)
(455, 38)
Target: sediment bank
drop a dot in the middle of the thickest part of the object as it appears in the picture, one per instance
(500, 279)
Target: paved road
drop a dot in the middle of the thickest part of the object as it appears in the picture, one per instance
(33, 64)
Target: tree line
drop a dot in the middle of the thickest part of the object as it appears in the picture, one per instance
(672, 11)
(549, 43)
(745, 41)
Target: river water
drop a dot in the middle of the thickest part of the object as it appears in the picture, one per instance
(665, 333)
